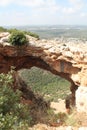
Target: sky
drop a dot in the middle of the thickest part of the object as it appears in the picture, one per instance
(43, 12)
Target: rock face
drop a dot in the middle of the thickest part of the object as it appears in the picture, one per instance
(81, 99)
(66, 60)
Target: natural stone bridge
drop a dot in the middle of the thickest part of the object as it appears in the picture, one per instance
(64, 59)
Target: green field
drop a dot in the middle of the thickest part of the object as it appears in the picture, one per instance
(45, 83)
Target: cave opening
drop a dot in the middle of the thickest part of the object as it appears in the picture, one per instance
(52, 87)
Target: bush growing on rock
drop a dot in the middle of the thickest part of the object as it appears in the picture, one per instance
(25, 32)
(18, 38)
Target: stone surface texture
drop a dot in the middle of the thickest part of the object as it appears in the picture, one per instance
(68, 60)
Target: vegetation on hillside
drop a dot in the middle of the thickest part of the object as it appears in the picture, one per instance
(59, 31)
(16, 116)
(31, 34)
(50, 86)
(3, 29)
(13, 114)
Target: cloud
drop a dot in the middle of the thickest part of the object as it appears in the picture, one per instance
(83, 14)
(33, 11)
(25, 2)
(42, 11)
(5, 2)
(75, 7)
(40, 5)
(68, 10)
(77, 3)
(32, 3)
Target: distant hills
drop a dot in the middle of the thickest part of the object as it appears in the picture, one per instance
(54, 31)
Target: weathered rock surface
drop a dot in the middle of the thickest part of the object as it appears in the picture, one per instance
(81, 99)
(45, 127)
(64, 59)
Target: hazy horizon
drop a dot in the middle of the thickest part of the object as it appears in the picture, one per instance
(46, 25)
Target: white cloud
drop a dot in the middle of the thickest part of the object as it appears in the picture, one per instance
(75, 7)
(41, 5)
(77, 3)
(5, 2)
(36, 3)
(43, 12)
(83, 14)
(32, 3)
(68, 10)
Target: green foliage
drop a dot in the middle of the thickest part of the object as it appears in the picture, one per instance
(18, 38)
(13, 114)
(47, 84)
(12, 30)
(25, 32)
(3, 29)
(32, 34)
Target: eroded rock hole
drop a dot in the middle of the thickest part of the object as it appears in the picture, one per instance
(44, 90)
(50, 86)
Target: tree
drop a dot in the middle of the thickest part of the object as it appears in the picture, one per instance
(18, 38)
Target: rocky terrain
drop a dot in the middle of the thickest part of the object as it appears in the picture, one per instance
(68, 60)
(45, 127)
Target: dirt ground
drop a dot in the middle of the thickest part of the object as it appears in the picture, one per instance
(60, 107)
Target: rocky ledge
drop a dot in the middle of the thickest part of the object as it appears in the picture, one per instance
(68, 60)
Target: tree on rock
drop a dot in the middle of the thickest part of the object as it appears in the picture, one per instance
(18, 38)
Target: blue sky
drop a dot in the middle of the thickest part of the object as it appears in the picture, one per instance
(43, 12)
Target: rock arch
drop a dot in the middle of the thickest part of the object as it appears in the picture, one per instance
(69, 62)
(29, 56)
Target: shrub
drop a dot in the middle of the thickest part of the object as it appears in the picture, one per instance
(32, 34)
(3, 29)
(18, 38)
(25, 32)
(12, 30)
(13, 114)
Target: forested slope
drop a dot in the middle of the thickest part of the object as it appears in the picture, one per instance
(50, 86)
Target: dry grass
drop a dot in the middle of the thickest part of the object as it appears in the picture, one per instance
(76, 119)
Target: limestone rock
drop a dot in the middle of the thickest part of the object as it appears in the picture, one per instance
(69, 128)
(45, 127)
(68, 60)
(82, 128)
(4, 34)
(81, 99)
(4, 38)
